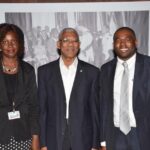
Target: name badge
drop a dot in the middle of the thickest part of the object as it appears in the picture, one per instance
(13, 115)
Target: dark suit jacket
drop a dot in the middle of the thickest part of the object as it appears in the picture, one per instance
(83, 115)
(25, 101)
(141, 101)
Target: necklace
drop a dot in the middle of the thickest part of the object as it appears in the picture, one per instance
(11, 70)
(7, 69)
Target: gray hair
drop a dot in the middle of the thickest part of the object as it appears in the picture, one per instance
(72, 30)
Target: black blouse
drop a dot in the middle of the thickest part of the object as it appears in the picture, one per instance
(11, 85)
(20, 88)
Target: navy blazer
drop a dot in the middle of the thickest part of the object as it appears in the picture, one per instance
(83, 111)
(141, 101)
(25, 101)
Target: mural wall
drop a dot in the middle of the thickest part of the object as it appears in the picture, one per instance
(95, 28)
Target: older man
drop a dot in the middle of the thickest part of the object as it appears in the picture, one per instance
(68, 99)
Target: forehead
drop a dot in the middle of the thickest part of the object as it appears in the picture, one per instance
(69, 34)
(10, 34)
(124, 33)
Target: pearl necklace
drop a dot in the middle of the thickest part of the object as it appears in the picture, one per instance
(10, 70)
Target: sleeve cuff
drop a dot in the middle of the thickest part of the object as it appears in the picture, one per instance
(103, 143)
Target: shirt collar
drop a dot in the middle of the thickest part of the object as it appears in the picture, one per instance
(129, 61)
(73, 65)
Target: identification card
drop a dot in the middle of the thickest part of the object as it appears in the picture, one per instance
(13, 115)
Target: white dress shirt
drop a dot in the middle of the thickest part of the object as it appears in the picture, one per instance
(117, 86)
(68, 75)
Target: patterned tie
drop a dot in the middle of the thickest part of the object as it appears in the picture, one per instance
(124, 101)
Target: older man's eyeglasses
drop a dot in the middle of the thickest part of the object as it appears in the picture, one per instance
(67, 41)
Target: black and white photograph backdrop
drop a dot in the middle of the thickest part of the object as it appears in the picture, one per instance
(95, 23)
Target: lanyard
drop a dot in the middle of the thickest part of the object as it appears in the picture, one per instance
(15, 91)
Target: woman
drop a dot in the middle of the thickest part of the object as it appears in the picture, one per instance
(19, 127)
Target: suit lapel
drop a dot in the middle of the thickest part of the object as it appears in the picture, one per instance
(3, 93)
(20, 85)
(112, 76)
(78, 77)
(59, 80)
(110, 82)
(138, 77)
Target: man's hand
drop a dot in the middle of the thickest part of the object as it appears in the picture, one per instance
(44, 148)
(103, 148)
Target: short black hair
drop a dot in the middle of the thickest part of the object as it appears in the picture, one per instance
(124, 28)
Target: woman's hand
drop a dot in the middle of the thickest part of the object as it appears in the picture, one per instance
(44, 148)
(35, 142)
